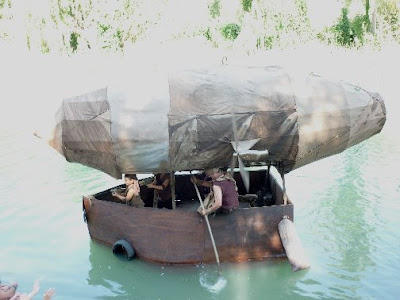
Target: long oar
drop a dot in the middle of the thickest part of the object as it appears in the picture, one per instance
(209, 229)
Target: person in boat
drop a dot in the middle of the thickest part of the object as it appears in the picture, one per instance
(226, 198)
(9, 292)
(162, 184)
(132, 196)
(207, 182)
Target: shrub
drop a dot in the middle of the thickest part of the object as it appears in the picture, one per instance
(230, 31)
(207, 33)
(73, 41)
(359, 26)
(215, 9)
(343, 29)
(389, 10)
(351, 32)
(246, 5)
(45, 46)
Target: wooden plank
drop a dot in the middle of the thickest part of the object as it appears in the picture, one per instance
(158, 235)
(173, 190)
(248, 234)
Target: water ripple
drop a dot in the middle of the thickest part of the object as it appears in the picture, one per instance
(213, 283)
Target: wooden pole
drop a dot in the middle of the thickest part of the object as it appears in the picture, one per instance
(155, 197)
(268, 177)
(209, 229)
(291, 243)
(173, 190)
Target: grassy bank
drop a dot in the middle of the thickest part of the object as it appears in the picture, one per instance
(114, 26)
(53, 49)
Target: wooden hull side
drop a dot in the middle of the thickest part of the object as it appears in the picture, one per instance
(156, 235)
(247, 234)
(181, 237)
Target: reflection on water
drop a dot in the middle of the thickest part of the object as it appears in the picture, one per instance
(104, 274)
(121, 279)
(344, 219)
(352, 223)
(346, 213)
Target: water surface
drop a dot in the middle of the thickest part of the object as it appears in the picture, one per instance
(346, 214)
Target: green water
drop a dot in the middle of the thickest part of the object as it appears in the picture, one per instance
(346, 214)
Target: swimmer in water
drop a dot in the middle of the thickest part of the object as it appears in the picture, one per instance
(9, 292)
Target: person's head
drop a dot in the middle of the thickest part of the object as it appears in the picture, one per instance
(7, 290)
(129, 179)
(214, 173)
(224, 169)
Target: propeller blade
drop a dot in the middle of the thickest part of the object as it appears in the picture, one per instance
(247, 144)
(245, 174)
(234, 129)
(234, 144)
(244, 146)
(233, 164)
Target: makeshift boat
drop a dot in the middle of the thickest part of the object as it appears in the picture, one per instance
(180, 236)
(193, 119)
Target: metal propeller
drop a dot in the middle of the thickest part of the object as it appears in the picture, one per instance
(242, 150)
(237, 147)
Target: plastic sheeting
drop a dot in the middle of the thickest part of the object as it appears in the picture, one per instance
(184, 121)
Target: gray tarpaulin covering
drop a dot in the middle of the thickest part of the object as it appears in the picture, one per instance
(184, 121)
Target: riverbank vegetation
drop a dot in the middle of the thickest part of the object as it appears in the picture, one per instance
(113, 26)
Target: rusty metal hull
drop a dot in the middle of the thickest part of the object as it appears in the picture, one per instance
(181, 236)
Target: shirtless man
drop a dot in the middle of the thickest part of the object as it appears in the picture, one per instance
(132, 191)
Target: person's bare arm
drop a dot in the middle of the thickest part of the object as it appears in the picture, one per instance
(34, 291)
(200, 182)
(217, 201)
(49, 293)
(136, 188)
(128, 196)
(131, 193)
(161, 187)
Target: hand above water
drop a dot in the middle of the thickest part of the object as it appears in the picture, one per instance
(30, 296)
(49, 293)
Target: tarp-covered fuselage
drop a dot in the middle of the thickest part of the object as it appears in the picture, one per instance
(184, 120)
